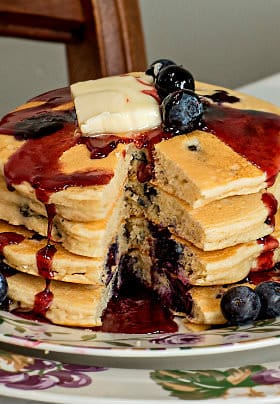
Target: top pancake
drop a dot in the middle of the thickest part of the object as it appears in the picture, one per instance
(214, 171)
(200, 168)
(97, 196)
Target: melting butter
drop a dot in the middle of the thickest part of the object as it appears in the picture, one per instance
(119, 104)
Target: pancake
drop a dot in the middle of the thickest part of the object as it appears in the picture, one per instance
(184, 214)
(192, 265)
(65, 266)
(183, 161)
(91, 239)
(89, 300)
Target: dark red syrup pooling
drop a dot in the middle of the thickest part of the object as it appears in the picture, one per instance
(263, 276)
(127, 315)
(136, 316)
(255, 135)
(136, 311)
(101, 146)
(221, 96)
(7, 238)
(37, 162)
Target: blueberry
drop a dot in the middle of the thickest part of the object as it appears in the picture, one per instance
(269, 294)
(240, 305)
(157, 65)
(42, 124)
(181, 112)
(3, 288)
(173, 78)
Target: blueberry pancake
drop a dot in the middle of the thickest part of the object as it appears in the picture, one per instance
(171, 180)
(70, 304)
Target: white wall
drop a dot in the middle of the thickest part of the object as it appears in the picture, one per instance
(230, 42)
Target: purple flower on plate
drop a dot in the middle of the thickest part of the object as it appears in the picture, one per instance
(33, 382)
(41, 374)
(238, 337)
(42, 364)
(178, 339)
(267, 376)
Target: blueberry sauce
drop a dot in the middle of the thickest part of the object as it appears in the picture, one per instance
(252, 134)
(44, 259)
(255, 135)
(166, 254)
(135, 309)
(221, 96)
(17, 123)
(268, 243)
(43, 300)
(7, 238)
(136, 315)
(265, 259)
(271, 203)
(101, 146)
(37, 162)
(262, 276)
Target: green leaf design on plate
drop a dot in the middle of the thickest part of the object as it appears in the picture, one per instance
(20, 329)
(118, 343)
(88, 337)
(204, 384)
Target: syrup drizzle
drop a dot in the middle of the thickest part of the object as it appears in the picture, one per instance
(44, 259)
(252, 134)
(271, 203)
(7, 238)
(255, 135)
(43, 300)
(268, 242)
(37, 162)
(262, 276)
(265, 260)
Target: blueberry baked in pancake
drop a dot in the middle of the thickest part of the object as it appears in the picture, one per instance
(146, 177)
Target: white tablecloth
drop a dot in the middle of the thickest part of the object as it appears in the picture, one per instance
(268, 89)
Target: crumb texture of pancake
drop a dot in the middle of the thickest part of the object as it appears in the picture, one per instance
(188, 216)
(199, 168)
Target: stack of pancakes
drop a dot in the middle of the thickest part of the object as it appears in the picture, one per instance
(200, 223)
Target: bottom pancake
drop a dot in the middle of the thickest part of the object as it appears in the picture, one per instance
(71, 304)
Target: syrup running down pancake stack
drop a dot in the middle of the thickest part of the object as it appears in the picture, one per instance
(95, 185)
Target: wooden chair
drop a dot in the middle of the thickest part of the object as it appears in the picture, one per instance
(102, 37)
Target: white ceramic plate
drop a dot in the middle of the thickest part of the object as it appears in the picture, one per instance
(32, 334)
(54, 381)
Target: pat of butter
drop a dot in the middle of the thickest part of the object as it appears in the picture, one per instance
(118, 104)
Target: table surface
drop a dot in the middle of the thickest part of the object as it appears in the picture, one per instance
(268, 89)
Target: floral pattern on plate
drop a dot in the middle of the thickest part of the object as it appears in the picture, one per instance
(206, 384)
(19, 372)
(26, 373)
(33, 334)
